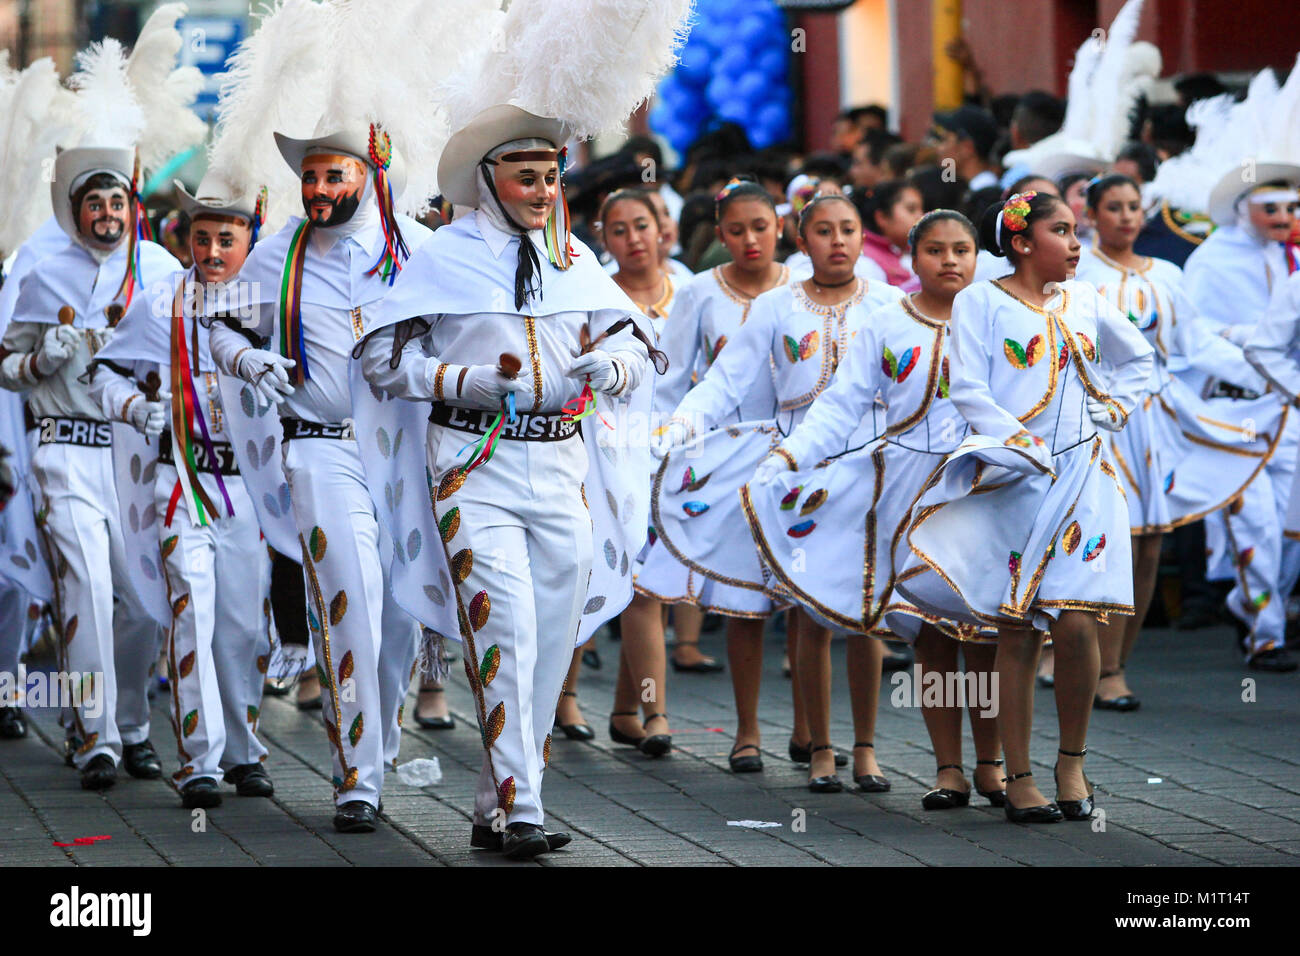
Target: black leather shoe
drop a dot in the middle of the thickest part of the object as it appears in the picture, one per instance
(355, 816)
(897, 658)
(576, 731)
(824, 784)
(942, 798)
(1125, 703)
(748, 764)
(200, 794)
(705, 665)
(485, 838)
(141, 761)
(996, 798)
(870, 782)
(1075, 809)
(432, 723)
(250, 780)
(99, 774)
(1047, 813)
(618, 736)
(801, 754)
(655, 745)
(12, 725)
(1275, 659)
(523, 841)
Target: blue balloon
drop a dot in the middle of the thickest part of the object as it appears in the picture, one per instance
(695, 67)
(733, 61)
(736, 111)
(775, 64)
(719, 90)
(753, 88)
(752, 32)
(776, 115)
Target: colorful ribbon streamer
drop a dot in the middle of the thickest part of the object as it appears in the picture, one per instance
(291, 336)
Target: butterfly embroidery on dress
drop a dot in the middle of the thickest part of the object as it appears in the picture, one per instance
(942, 390)
(1026, 356)
(899, 368)
(805, 348)
(711, 351)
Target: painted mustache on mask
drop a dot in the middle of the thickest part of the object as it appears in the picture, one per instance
(107, 227)
(341, 209)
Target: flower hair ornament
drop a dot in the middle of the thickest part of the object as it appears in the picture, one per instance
(1014, 215)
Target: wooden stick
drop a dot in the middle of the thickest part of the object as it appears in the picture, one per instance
(509, 365)
(67, 315)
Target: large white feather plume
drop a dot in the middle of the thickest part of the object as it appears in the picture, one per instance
(166, 91)
(33, 120)
(109, 112)
(276, 81)
(589, 63)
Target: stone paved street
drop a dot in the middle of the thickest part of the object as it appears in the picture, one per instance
(1196, 777)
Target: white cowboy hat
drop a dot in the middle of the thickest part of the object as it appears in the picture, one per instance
(71, 169)
(1233, 185)
(489, 129)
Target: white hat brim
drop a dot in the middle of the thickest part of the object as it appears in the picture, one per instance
(1222, 204)
(486, 131)
(348, 142)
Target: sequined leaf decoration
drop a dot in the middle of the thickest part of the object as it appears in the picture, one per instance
(345, 667)
(1073, 535)
(1096, 544)
(496, 722)
(888, 363)
(451, 483)
(1244, 557)
(546, 752)
(506, 794)
(487, 668)
(907, 363)
(815, 501)
(169, 545)
(338, 607)
(332, 733)
(1013, 562)
(1062, 357)
(316, 544)
(612, 502)
(89, 745)
(1015, 353)
(792, 496)
(413, 543)
(711, 353)
(594, 604)
(180, 604)
(312, 621)
(357, 729)
(1085, 344)
(480, 606)
(1262, 599)
(942, 391)
(462, 563)
(802, 529)
(321, 676)
(611, 554)
(70, 630)
(253, 714)
(1034, 350)
(349, 779)
(694, 509)
(385, 446)
(263, 662)
(1169, 482)
(791, 349)
(190, 723)
(809, 344)
(184, 772)
(435, 595)
(186, 665)
(449, 524)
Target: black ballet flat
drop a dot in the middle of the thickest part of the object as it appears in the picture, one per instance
(1047, 813)
(1125, 703)
(870, 782)
(942, 798)
(827, 784)
(655, 745)
(801, 754)
(432, 723)
(996, 798)
(1075, 809)
(618, 736)
(576, 731)
(750, 764)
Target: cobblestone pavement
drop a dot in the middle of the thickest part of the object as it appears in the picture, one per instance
(1198, 776)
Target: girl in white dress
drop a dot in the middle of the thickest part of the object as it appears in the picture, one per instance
(1176, 461)
(796, 332)
(1032, 491)
(826, 531)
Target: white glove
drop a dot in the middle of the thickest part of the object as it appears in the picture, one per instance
(150, 418)
(1238, 334)
(768, 469)
(1103, 415)
(56, 348)
(267, 372)
(674, 435)
(484, 386)
(600, 366)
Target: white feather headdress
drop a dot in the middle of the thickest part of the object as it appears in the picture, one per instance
(108, 109)
(166, 91)
(34, 119)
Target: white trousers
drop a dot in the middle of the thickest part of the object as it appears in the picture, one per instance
(217, 578)
(1266, 564)
(115, 641)
(13, 625)
(521, 551)
(365, 643)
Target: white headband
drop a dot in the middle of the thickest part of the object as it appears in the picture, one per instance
(1274, 195)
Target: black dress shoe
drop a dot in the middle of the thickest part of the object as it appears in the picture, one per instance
(432, 723)
(576, 731)
(1047, 813)
(655, 745)
(1275, 659)
(618, 736)
(485, 838)
(870, 782)
(752, 763)
(250, 780)
(996, 798)
(523, 841)
(12, 725)
(943, 798)
(1125, 702)
(141, 761)
(200, 794)
(828, 783)
(801, 754)
(1075, 809)
(99, 773)
(705, 665)
(355, 816)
